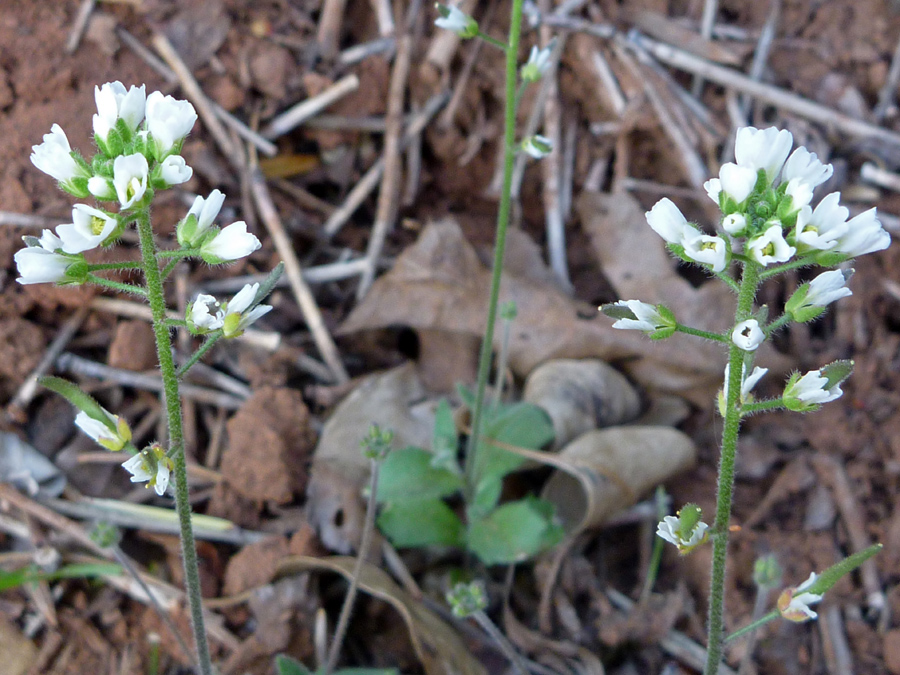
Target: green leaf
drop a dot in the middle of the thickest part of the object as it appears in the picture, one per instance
(425, 522)
(514, 532)
(521, 424)
(487, 494)
(32, 573)
(285, 665)
(73, 394)
(445, 443)
(408, 475)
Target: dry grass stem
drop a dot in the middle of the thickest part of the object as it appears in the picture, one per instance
(79, 25)
(298, 114)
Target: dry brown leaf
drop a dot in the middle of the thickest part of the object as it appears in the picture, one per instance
(439, 283)
(394, 400)
(19, 653)
(438, 646)
(580, 395)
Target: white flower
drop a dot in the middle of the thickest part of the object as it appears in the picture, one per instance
(804, 166)
(828, 287)
(130, 178)
(234, 314)
(199, 219)
(793, 603)
(747, 335)
(864, 235)
(801, 194)
(736, 181)
(39, 262)
(200, 316)
(231, 243)
(168, 121)
(174, 170)
(734, 224)
(537, 64)
(764, 149)
(821, 229)
(89, 228)
(150, 465)
(453, 19)
(713, 188)
(669, 529)
(647, 316)
(54, 157)
(770, 247)
(115, 103)
(706, 249)
(112, 434)
(810, 390)
(102, 188)
(747, 382)
(537, 146)
(668, 222)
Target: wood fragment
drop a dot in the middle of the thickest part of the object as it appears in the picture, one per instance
(442, 49)
(838, 657)
(707, 21)
(384, 16)
(294, 272)
(832, 473)
(331, 20)
(763, 47)
(299, 113)
(389, 195)
(28, 220)
(79, 25)
(195, 95)
(788, 101)
(881, 177)
(369, 181)
(76, 365)
(353, 55)
(608, 82)
(888, 91)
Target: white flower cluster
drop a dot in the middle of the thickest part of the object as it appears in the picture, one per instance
(206, 314)
(765, 198)
(139, 138)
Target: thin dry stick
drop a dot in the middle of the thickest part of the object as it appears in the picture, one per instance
(609, 82)
(195, 95)
(296, 115)
(340, 630)
(444, 44)
(76, 365)
(78, 26)
(29, 387)
(148, 56)
(27, 220)
(353, 55)
(320, 274)
(551, 170)
(763, 47)
(388, 197)
(887, 93)
(384, 15)
(707, 21)
(331, 20)
(832, 473)
(369, 181)
(728, 77)
(413, 168)
(873, 173)
(294, 273)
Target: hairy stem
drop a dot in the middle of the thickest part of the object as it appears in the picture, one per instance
(717, 337)
(117, 285)
(157, 301)
(509, 158)
(199, 354)
(762, 621)
(716, 627)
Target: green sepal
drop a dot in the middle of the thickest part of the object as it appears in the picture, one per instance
(514, 532)
(668, 316)
(78, 398)
(798, 312)
(267, 285)
(830, 258)
(115, 144)
(76, 273)
(793, 403)
(688, 518)
(186, 231)
(102, 165)
(837, 371)
(419, 523)
(408, 475)
(77, 187)
(615, 311)
(833, 574)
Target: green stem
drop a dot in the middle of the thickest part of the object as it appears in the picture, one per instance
(157, 301)
(167, 270)
(178, 253)
(509, 158)
(762, 621)
(761, 406)
(199, 354)
(777, 324)
(718, 337)
(96, 267)
(493, 41)
(719, 530)
(117, 285)
(732, 284)
(792, 265)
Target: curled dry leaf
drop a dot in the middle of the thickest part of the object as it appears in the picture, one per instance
(394, 400)
(438, 646)
(580, 395)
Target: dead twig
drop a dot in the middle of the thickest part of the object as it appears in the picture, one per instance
(837, 655)
(298, 114)
(331, 20)
(887, 93)
(763, 47)
(388, 196)
(707, 21)
(294, 272)
(80, 23)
